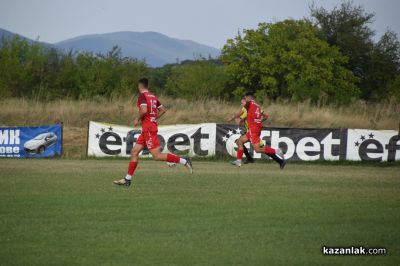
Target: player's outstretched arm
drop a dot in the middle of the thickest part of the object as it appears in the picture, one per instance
(161, 111)
(235, 116)
(239, 121)
(265, 116)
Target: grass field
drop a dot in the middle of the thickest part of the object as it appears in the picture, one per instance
(68, 212)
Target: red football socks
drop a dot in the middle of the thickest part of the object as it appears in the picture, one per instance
(269, 151)
(172, 158)
(132, 167)
(239, 155)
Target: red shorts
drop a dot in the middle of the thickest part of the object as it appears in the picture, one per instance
(253, 134)
(149, 138)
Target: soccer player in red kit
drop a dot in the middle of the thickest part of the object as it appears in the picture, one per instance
(254, 120)
(150, 109)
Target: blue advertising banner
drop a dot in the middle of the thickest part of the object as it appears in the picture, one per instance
(31, 142)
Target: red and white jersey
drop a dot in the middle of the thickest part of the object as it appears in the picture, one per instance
(148, 99)
(254, 114)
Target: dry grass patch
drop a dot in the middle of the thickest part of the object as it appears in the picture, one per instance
(75, 115)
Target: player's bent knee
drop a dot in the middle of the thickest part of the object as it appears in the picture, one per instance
(158, 157)
(156, 154)
(257, 148)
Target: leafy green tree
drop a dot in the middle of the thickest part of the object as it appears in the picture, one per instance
(375, 64)
(289, 60)
(66, 75)
(108, 75)
(347, 27)
(33, 71)
(383, 68)
(21, 68)
(199, 79)
(394, 89)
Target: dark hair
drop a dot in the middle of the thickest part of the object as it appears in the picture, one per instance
(144, 82)
(249, 93)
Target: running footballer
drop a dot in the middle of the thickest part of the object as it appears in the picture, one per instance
(241, 117)
(255, 117)
(150, 109)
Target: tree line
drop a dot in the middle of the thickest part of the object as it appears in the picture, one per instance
(330, 57)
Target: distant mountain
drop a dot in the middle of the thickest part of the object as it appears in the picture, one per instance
(157, 49)
(8, 34)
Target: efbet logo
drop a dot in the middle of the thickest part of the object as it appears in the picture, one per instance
(373, 145)
(111, 143)
(116, 142)
(229, 140)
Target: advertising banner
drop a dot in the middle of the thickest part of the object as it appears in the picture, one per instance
(23, 142)
(310, 144)
(373, 145)
(113, 140)
(298, 144)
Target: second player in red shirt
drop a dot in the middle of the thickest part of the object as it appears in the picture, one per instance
(254, 119)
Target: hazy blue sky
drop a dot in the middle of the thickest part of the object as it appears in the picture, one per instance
(209, 22)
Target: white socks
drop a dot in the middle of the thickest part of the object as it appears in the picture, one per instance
(128, 177)
(182, 161)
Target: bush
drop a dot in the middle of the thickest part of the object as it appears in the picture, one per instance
(200, 79)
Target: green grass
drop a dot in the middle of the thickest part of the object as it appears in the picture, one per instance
(64, 212)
